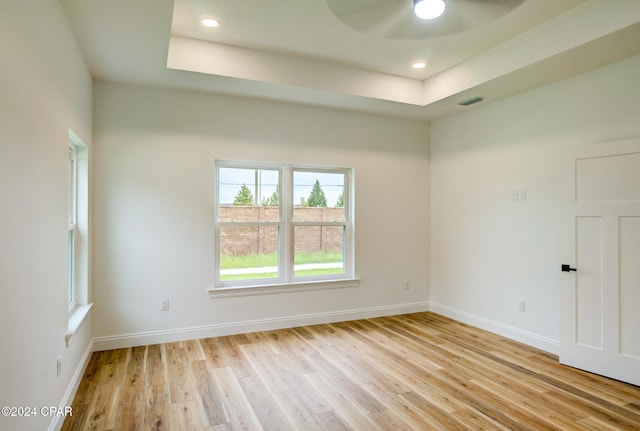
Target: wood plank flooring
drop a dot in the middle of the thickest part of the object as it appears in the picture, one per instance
(412, 372)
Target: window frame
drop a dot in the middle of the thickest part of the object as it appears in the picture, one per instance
(286, 269)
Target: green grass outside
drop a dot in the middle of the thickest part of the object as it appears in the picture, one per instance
(271, 259)
(248, 261)
(306, 272)
(262, 260)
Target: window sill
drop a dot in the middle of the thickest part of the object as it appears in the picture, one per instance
(76, 317)
(262, 289)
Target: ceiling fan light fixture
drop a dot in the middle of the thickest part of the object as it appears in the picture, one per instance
(428, 9)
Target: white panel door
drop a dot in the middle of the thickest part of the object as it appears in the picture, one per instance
(600, 297)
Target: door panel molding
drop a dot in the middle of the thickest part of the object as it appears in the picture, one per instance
(600, 302)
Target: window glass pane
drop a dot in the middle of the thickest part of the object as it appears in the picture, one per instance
(248, 252)
(318, 196)
(318, 250)
(248, 195)
(70, 268)
(72, 204)
(237, 213)
(72, 186)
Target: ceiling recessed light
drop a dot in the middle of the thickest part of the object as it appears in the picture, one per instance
(419, 65)
(209, 22)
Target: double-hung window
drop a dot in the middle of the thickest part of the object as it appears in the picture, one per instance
(280, 224)
(77, 235)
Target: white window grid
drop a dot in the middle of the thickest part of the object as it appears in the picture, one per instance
(286, 224)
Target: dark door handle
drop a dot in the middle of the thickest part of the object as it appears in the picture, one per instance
(567, 268)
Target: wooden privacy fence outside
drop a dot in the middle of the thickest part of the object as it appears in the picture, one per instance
(243, 240)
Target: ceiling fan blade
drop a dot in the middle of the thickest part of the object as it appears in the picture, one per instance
(367, 15)
(481, 11)
(394, 19)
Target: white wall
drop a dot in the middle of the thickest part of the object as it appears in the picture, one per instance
(153, 209)
(487, 251)
(45, 89)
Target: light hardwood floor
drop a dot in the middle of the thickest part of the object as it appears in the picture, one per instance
(412, 372)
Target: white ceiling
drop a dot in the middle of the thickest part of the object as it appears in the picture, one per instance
(357, 58)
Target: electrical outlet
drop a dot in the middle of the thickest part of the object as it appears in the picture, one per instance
(522, 305)
(58, 366)
(164, 304)
(407, 285)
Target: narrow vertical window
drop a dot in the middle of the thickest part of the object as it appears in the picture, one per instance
(77, 235)
(72, 225)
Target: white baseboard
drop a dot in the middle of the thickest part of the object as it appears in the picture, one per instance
(526, 337)
(221, 329)
(70, 393)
